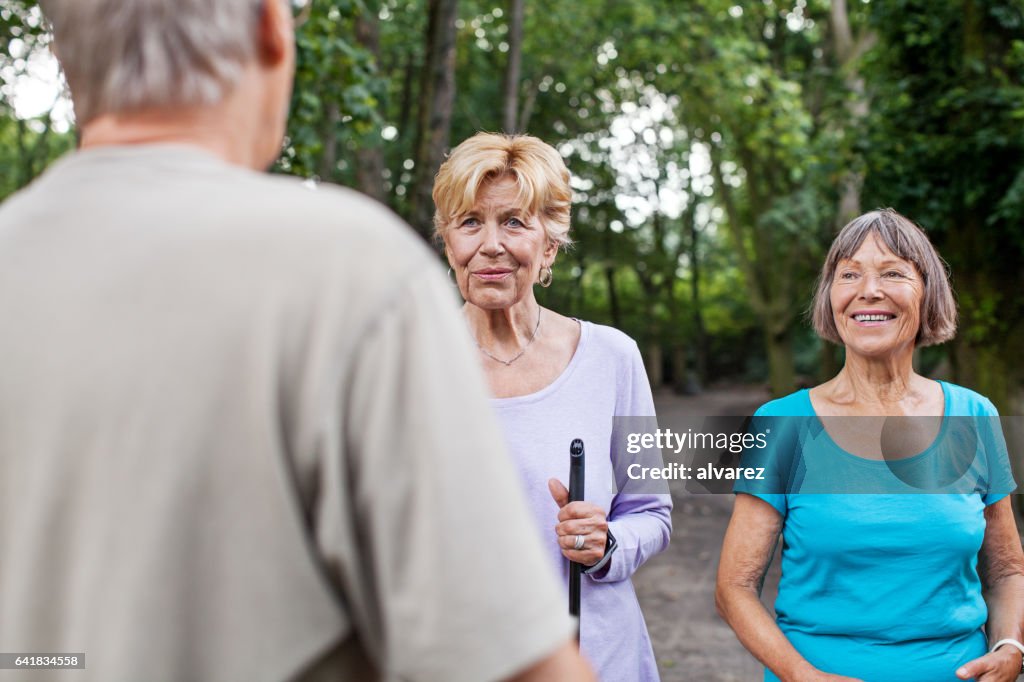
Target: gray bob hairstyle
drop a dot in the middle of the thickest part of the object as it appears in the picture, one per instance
(907, 241)
(129, 55)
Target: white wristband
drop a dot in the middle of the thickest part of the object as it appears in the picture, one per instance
(1012, 642)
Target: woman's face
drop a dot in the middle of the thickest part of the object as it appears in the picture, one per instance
(497, 250)
(876, 300)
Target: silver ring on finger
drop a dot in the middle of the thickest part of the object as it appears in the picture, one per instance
(580, 541)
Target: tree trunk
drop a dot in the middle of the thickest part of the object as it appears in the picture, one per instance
(580, 292)
(768, 302)
(405, 109)
(682, 383)
(613, 297)
(847, 53)
(654, 362)
(25, 176)
(989, 363)
(983, 364)
(985, 354)
(370, 172)
(699, 334)
(370, 154)
(435, 116)
(513, 66)
(329, 159)
(829, 364)
(39, 149)
(781, 374)
(527, 110)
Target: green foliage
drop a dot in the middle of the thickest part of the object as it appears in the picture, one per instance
(27, 146)
(336, 95)
(945, 147)
(710, 144)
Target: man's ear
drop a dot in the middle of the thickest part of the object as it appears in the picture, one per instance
(276, 32)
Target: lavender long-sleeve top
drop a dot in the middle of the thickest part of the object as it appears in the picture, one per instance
(604, 379)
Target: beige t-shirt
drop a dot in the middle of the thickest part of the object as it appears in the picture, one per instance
(243, 437)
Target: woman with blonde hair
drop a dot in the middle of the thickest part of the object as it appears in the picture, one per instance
(503, 205)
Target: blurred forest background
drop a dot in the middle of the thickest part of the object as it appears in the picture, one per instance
(716, 147)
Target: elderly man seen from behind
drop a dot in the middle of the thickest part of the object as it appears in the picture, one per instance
(226, 431)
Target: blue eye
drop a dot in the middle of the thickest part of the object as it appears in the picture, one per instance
(469, 222)
(515, 222)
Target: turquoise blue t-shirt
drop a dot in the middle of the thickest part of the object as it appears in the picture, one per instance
(879, 560)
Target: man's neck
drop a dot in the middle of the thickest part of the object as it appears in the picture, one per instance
(206, 128)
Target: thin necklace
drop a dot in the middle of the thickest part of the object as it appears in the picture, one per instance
(517, 355)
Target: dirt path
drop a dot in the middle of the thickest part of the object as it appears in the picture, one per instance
(676, 588)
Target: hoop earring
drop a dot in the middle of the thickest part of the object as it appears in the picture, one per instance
(546, 276)
(450, 275)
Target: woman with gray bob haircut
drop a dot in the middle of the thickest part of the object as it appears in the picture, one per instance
(905, 240)
(879, 583)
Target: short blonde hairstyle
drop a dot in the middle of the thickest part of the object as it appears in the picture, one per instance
(537, 168)
(907, 241)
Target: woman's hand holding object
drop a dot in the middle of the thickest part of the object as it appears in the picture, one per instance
(578, 520)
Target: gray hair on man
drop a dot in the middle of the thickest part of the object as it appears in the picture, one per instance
(122, 56)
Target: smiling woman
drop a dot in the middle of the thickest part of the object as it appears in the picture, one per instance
(884, 251)
(879, 582)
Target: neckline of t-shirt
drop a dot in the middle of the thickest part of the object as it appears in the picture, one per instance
(585, 329)
(175, 154)
(946, 400)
